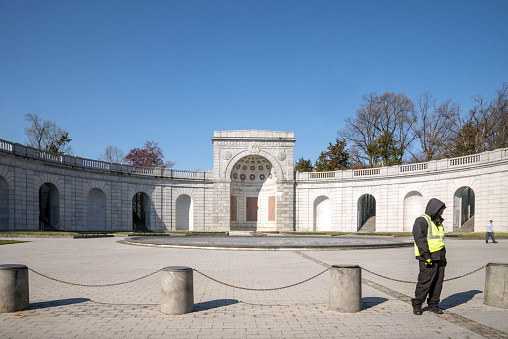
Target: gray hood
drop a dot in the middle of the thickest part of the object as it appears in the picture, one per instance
(433, 206)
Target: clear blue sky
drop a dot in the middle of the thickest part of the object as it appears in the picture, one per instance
(123, 72)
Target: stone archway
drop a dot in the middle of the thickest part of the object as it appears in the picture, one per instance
(322, 214)
(252, 193)
(463, 209)
(140, 212)
(96, 210)
(413, 208)
(184, 213)
(49, 207)
(366, 213)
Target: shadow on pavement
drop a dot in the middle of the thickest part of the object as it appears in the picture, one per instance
(458, 299)
(369, 302)
(56, 303)
(208, 305)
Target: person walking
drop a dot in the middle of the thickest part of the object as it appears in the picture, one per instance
(490, 233)
(428, 234)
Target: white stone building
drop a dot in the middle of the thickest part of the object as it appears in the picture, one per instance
(253, 186)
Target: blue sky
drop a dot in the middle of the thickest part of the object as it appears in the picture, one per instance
(123, 72)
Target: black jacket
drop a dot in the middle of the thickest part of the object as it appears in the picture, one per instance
(420, 229)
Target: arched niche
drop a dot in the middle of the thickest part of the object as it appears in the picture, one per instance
(96, 210)
(253, 194)
(412, 209)
(4, 205)
(322, 214)
(184, 213)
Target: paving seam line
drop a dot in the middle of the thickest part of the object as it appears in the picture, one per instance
(451, 317)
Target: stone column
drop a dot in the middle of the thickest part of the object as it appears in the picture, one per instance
(177, 290)
(345, 289)
(13, 288)
(496, 285)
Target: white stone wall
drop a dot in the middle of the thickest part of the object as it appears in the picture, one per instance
(487, 175)
(23, 171)
(24, 178)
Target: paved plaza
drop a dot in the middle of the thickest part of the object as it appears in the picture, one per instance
(132, 310)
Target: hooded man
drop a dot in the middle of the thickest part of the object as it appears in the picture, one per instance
(428, 233)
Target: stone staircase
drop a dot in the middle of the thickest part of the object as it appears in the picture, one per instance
(369, 226)
(468, 226)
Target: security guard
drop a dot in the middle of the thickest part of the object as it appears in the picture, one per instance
(428, 233)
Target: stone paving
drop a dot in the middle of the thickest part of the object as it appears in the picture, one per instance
(132, 310)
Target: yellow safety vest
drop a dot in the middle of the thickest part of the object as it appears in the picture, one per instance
(435, 236)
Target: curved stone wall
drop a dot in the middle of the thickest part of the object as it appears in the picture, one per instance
(44, 190)
(402, 192)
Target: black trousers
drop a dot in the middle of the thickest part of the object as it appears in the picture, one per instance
(430, 283)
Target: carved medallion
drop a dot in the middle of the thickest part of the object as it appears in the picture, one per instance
(281, 155)
(254, 148)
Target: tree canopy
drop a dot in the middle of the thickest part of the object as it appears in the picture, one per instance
(303, 165)
(46, 135)
(112, 154)
(150, 155)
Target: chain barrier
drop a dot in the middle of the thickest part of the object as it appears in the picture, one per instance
(261, 289)
(239, 287)
(99, 285)
(414, 282)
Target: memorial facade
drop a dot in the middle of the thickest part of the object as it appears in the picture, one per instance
(252, 187)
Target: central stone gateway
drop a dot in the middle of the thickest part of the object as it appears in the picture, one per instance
(253, 180)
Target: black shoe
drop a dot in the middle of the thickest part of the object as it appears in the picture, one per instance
(495, 242)
(417, 311)
(435, 310)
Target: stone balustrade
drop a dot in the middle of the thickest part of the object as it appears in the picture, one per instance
(435, 165)
(73, 161)
(470, 160)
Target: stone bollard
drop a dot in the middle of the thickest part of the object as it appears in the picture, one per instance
(177, 290)
(345, 288)
(496, 285)
(13, 288)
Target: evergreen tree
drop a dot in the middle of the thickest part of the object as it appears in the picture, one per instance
(321, 164)
(303, 165)
(386, 150)
(338, 156)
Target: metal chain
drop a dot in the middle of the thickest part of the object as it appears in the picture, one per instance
(414, 282)
(238, 287)
(460, 276)
(382, 276)
(261, 289)
(100, 285)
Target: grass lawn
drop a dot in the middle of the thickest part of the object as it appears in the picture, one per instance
(7, 242)
(38, 233)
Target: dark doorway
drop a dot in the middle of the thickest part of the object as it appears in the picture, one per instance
(367, 213)
(48, 207)
(139, 212)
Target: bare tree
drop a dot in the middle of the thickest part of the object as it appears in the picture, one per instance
(112, 154)
(484, 128)
(499, 107)
(395, 111)
(46, 135)
(379, 116)
(361, 130)
(433, 126)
